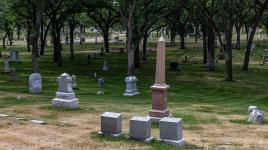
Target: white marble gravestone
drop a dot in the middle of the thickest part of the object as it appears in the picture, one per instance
(131, 86)
(35, 83)
(65, 96)
(140, 129)
(171, 131)
(256, 115)
(111, 124)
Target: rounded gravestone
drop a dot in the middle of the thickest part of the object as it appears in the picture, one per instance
(35, 83)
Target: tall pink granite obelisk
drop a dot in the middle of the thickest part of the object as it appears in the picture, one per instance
(159, 89)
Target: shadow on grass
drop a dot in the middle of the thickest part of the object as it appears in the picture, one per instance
(154, 144)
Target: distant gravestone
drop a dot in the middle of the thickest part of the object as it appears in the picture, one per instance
(171, 131)
(265, 56)
(6, 68)
(256, 115)
(140, 129)
(14, 54)
(35, 83)
(131, 86)
(74, 85)
(105, 67)
(13, 74)
(111, 124)
(65, 96)
(101, 83)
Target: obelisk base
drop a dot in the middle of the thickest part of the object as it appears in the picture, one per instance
(159, 103)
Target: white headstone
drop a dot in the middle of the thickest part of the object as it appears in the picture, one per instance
(65, 97)
(131, 86)
(35, 83)
(256, 115)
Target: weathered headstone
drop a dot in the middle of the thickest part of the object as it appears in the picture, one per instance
(88, 59)
(171, 131)
(74, 85)
(6, 68)
(256, 115)
(14, 54)
(65, 96)
(265, 56)
(131, 86)
(140, 129)
(105, 67)
(13, 74)
(35, 83)
(111, 124)
(159, 89)
(221, 56)
(101, 83)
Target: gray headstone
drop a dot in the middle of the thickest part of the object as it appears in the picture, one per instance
(111, 124)
(74, 85)
(171, 131)
(131, 86)
(65, 97)
(35, 83)
(265, 56)
(140, 129)
(256, 115)
(6, 68)
(105, 67)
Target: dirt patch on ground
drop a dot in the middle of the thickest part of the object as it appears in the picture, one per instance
(77, 130)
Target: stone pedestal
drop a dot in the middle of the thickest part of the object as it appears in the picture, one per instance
(159, 89)
(111, 124)
(159, 102)
(65, 97)
(140, 129)
(131, 86)
(171, 131)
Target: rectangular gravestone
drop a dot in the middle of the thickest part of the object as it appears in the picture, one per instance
(171, 131)
(111, 124)
(140, 129)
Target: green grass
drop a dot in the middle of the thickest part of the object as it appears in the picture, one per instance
(193, 85)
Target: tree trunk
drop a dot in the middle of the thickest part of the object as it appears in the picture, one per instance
(204, 43)
(211, 50)
(72, 26)
(106, 41)
(173, 35)
(145, 39)
(9, 34)
(182, 39)
(248, 51)
(137, 55)
(59, 47)
(28, 38)
(4, 41)
(238, 40)
(130, 50)
(196, 33)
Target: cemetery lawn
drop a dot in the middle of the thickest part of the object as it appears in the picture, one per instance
(214, 111)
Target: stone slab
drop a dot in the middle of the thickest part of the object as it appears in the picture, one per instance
(4, 115)
(38, 122)
(111, 123)
(70, 104)
(140, 128)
